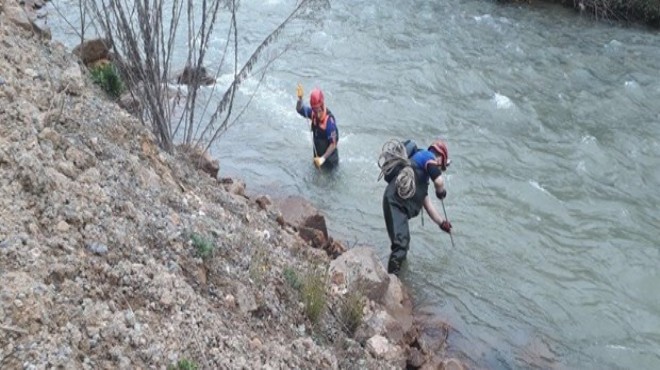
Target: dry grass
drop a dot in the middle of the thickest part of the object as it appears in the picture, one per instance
(351, 310)
(314, 294)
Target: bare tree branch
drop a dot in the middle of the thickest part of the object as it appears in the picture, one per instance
(145, 44)
(228, 97)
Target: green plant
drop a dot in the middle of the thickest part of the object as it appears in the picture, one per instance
(292, 278)
(183, 364)
(107, 76)
(351, 311)
(203, 246)
(314, 294)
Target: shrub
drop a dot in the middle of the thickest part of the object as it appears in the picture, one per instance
(292, 278)
(314, 294)
(107, 76)
(203, 246)
(183, 364)
(351, 311)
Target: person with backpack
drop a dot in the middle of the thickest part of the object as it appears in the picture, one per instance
(324, 128)
(408, 171)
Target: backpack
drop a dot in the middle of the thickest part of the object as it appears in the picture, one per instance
(411, 147)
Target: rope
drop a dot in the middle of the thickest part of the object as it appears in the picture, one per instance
(405, 183)
(393, 156)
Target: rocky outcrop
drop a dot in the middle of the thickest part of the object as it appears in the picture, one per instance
(192, 75)
(359, 269)
(304, 218)
(389, 329)
(92, 51)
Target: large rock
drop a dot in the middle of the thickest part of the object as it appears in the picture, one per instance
(313, 236)
(92, 50)
(380, 347)
(398, 303)
(190, 74)
(299, 213)
(361, 267)
(381, 323)
(233, 186)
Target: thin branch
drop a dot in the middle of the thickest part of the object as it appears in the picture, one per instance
(145, 50)
(217, 74)
(263, 75)
(228, 97)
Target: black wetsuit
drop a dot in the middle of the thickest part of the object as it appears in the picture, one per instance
(323, 137)
(398, 211)
(322, 140)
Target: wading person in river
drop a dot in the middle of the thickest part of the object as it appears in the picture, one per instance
(324, 128)
(408, 171)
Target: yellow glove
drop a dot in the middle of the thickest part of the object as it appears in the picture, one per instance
(299, 91)
(318, 161)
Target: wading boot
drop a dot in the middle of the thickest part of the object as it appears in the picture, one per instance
(393, 267)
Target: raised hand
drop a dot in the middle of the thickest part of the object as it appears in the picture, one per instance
(300, 91)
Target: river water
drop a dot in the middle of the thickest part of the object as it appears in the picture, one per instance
(552, 122)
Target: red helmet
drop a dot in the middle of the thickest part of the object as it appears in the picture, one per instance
(440, 149)
(316, 98)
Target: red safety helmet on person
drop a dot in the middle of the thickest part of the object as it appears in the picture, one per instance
(316, 98)
(440, 149)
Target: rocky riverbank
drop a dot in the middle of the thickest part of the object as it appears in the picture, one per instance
(114, 254)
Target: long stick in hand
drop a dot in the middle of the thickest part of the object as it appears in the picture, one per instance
(445, 212)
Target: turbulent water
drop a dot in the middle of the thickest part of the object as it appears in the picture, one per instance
(552, 122)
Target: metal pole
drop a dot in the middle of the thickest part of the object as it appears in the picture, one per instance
(445, 212)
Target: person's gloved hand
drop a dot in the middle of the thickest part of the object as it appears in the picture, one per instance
(446, 226)
(299, 91)
(318, 161)
(441, 194)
